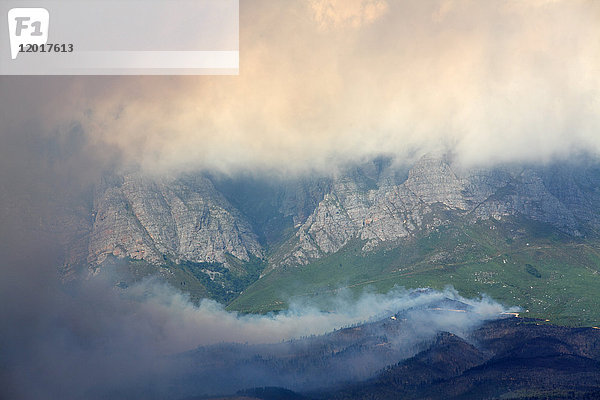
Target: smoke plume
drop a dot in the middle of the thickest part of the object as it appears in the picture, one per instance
(97, 341)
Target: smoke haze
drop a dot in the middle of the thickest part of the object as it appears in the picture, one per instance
(91, 340)
(322, 83)
(96, 341)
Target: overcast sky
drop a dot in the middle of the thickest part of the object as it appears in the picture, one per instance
(328, 81)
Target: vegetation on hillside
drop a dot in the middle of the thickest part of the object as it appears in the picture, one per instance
(515, 261)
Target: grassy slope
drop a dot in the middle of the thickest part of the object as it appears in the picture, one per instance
(191, 277)
(515, 262)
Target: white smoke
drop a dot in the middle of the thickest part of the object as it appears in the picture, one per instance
(184, 325)
(98, 340)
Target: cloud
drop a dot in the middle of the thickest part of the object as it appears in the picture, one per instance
(353, 13)
(494, 81)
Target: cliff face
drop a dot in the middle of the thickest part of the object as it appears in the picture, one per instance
(188, 219)
(433, 194)
(167, 219)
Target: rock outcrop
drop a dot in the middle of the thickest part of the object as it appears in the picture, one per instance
(388, 210)
(188, 218)
(164, 219)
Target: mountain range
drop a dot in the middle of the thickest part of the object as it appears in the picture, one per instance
(255, 242)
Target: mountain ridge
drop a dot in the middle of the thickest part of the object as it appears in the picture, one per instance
(207, 229)
(350, 204)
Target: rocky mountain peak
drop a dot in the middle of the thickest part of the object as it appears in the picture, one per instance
(199, 218)
(175, 219)
(390, 211)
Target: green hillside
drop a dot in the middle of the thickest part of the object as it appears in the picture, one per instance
(199, 280)
(515, 261)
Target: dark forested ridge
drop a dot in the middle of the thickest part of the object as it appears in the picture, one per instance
(511, 358)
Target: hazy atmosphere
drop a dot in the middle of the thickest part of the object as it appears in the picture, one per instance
(323, 82)
(96, 342)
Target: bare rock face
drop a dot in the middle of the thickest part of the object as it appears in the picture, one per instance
(387, 211)
(167, 219)
(300, 198)
(526, 194)
(186, 218)
(433, 181)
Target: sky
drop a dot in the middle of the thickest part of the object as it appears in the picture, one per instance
(326, 82)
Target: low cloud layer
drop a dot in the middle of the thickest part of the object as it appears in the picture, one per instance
(324, 82)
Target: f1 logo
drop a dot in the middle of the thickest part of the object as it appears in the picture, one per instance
(27, 26)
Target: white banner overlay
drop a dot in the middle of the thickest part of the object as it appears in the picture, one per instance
(124, 37)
